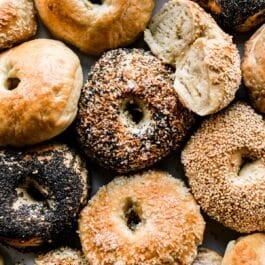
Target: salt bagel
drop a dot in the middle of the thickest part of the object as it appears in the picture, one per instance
(94, 28)
(145, 219)
(225, 164)
(40, 83)
(17, 22)
(129, 116)
(234, 15)
(253, 68)
(42, 189)
(249, 250)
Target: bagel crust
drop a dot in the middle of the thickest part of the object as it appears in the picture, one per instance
(94, 28)
(225, 164)
(247, 250)
(253, 68)
(42, 190)
(106, 128)
(40, 83)
(61, 256)
(145, 219)
(207, 257)
(17, 22)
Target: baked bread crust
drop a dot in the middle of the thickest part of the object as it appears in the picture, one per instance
(149, 218)
(253, 68)
(248, 250)
(95, 28)
(17, 22)
(225, 164)
(207, 62)
(40, 84)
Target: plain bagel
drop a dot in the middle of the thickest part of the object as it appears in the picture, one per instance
(40, 83)
(145, 219)
(94, 28)
(17, 22)
(225, 164)
(253, 68)
(249, 250)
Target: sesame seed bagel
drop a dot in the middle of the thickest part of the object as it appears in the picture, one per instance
(62, 256)
(145, 219)
(40, 85)
(253, 68)
(129, 114)
(17, 22)
(225, 164)
(246, 250)
(95, 26)
(41, 192)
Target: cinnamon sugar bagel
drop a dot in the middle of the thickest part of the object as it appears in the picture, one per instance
(129, 115)
(247, 250)
(225, 164)
(40, 83)
(61, 256)
(42, 189)
(94, 28)
(253, 68)
(144, 219)
(17, 22)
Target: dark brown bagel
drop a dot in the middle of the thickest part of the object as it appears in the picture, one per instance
(235, 15)
(129, 114)
(41, 192)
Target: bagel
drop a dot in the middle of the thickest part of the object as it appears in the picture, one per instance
(61, 256)
(207, 62)
(207, 257)
(248, 250)
(17, 22)
(233, 15)
(253, 68)
(225, 164)
(94, 28)
(149, 218)
(42, 190)
(129, 115)
(39, 93)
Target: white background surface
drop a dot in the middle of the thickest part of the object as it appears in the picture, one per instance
(216, 236)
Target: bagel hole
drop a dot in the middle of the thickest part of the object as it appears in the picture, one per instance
(97, 2)
(31, 191)
(134, 111)
(245, 161)
(132, 213)
(12, 83)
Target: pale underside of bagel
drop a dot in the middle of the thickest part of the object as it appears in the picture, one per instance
(207, 257)
(182, 35)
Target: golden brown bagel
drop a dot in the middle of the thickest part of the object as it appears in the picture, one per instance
(247, 250)
(253, 68)
(145, 219)
(94, 28)
(225, 164)
(40, 85)
(17, 22)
